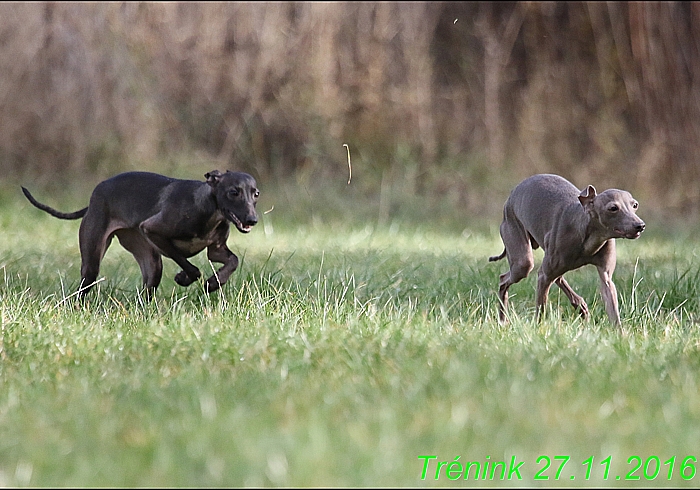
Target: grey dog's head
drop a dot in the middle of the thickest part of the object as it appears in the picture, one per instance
(615, 210)
(236, 196)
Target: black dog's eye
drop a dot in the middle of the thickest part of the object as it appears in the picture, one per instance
(256, 194)
(233, 193)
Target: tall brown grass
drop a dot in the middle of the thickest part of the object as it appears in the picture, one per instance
(451, 96)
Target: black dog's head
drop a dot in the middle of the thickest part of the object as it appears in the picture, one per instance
(236, 196)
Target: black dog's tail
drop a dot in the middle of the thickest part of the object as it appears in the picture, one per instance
(52, 211)
(498, 257)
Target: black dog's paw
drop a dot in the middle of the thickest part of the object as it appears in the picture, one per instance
(184, 279)
(212, 284)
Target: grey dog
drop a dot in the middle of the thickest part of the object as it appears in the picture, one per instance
(574, 228)
(154, 215)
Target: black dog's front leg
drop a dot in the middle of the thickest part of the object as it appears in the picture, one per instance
(184, 279)
(219, 252)
(189, 273)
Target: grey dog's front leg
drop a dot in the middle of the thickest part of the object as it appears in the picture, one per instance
(606, 266)
(609, 293)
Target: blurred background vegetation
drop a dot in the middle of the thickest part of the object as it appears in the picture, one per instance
(445, 103)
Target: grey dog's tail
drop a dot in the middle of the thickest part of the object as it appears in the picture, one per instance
(52, 211)
(498, 257)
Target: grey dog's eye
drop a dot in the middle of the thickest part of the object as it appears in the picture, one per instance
(256, 194)
(613, 208)
(635, 205)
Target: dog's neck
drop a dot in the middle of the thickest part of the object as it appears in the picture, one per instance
(592, 245)
(203, 195)
(595, 235)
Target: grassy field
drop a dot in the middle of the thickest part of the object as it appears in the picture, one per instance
(343, 353)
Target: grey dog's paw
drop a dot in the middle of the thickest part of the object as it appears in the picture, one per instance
(582, 309)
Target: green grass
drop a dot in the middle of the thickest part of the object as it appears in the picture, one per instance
(339, 354)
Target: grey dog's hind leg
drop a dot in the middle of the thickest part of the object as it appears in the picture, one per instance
(520, 259)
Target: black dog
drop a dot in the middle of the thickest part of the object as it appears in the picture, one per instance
(154, 215)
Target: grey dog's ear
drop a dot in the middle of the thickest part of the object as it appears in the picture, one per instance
(587, 195)
(213, 177)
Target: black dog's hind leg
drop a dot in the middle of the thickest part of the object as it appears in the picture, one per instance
(94, 238)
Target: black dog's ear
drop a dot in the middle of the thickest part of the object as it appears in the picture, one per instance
(213, 177)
